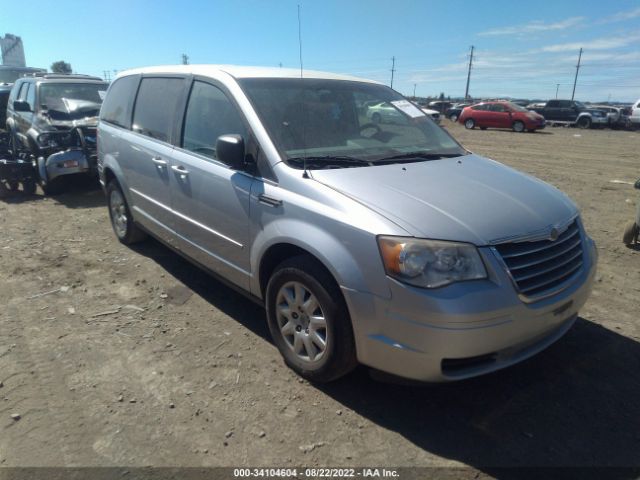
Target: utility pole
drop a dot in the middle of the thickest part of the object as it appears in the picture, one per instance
(106, 75)
(557, 88)
(466, 92)
(576, 79)
(393, 68)
(185, 59)
(414, 91)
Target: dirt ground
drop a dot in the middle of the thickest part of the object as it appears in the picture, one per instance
(120, 356)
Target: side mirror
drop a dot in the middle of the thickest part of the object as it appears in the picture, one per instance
(230, 150)
(21, 106)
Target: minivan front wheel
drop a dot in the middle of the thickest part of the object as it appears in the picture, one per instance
(309, 320)
(121, 220)
(469, 124)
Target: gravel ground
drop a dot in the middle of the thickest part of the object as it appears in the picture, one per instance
(120, 356)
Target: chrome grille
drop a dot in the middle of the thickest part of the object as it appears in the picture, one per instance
(543, 266)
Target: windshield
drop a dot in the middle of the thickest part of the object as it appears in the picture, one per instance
(516, 107)
(52, 94)
(328, 118)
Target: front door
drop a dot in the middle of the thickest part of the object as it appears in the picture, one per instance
(211, 200)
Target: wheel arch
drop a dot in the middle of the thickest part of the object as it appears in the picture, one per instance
(286, 238)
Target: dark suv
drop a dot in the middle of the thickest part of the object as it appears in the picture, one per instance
(53, 119)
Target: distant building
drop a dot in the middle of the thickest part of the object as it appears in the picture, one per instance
(12, 51)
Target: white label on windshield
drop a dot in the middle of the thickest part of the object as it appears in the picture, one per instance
(102, 93)
(405, 106)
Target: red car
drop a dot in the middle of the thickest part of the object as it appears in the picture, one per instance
(501, 115)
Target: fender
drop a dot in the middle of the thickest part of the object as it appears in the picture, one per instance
(329, 250)
(109, 162)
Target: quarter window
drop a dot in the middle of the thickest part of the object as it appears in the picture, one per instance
(156, 106)
(210, 114)
(117, 105)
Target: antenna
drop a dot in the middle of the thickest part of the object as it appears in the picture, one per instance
(300, 39)
(305, 174)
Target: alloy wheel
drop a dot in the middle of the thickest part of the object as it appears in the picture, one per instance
(302, 322)
(118, 210)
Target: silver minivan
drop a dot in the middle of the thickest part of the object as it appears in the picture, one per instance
(382, 242)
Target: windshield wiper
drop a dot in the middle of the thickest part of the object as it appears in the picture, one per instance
(418, 156)
(327, 161)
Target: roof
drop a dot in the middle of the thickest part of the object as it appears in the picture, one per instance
(241, 72)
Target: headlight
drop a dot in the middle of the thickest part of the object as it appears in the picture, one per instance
(47, 140)
(430, 263)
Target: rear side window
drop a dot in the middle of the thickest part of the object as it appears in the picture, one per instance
(156, 106)
(116, 108)
(209, 114)
(553, 103)
(483, 106)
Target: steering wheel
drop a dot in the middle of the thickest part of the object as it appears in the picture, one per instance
(375, 128)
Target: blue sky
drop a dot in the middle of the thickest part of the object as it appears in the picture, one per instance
(524, 49)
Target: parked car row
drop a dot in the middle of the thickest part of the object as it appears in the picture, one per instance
(505, 114)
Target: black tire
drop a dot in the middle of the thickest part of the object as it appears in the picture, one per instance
(55, 187)
(130, 233)
(469, 124)
(4, 191)
(518, 126)
(29, 187)
(339, 356)
(630, 235)
(376, 118)
(13, 145)
(584, 122)
(453, 118)
(483, 128)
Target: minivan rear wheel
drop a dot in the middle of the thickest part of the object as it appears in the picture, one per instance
(121, 220)
(309, 320)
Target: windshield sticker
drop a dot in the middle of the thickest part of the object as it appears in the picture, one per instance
(408, 108)
(102, 93)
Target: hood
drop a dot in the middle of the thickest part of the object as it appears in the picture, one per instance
(71, 112)
(467, 199)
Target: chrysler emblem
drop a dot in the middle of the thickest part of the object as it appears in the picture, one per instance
(553, 234)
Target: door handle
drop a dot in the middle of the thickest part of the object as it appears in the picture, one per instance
(180, 170)
(159, 162)
(269, 201)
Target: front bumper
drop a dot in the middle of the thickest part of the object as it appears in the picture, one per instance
(464, 329)
(67, 162)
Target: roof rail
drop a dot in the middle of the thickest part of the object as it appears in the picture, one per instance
(71, 76)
